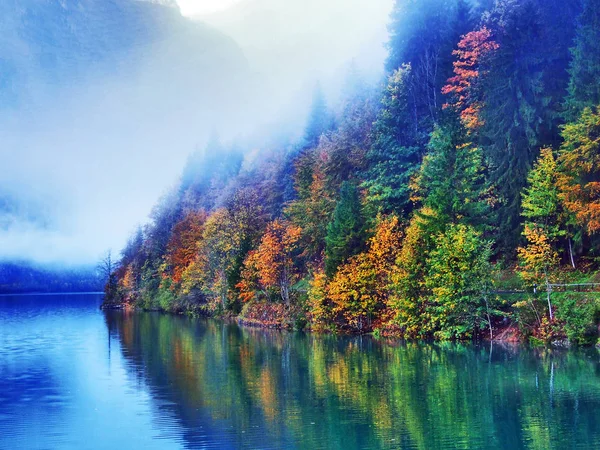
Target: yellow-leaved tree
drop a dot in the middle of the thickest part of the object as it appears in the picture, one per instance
(541, 210)
(359, 291)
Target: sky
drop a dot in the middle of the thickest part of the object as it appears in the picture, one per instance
(200, 7)
(88, 162)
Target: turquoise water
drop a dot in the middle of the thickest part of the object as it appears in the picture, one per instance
(72, 376)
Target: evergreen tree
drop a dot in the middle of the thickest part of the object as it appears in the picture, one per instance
(522, 91)
(459, 280)
(346, 231)
(319, 119)
(397, 147)
(451, 180)
(541, 210)
(584, 85)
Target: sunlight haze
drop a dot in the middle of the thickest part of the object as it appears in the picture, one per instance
(201, 7)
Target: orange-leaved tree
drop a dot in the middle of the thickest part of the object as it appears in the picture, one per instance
(579, 161)
(271, 266)
(472, 50)
(182, 249)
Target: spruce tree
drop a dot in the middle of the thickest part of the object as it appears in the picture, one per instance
(451, 181)
(346, 231)
(525, 80)
(397, 147)
(319, 119)
(584, 85)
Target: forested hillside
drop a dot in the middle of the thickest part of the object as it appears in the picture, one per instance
(412, 207)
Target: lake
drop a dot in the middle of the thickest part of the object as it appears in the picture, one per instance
(72, 376)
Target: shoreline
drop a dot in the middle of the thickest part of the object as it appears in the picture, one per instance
(508, 335)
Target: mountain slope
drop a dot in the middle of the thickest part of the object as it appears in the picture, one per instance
(45, 44)
(88, 89)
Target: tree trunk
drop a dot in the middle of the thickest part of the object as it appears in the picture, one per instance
(489, 319)
(283, 285)
(548, 292)
(571, 253)
(223, 290)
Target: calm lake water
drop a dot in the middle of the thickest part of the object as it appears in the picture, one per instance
(72, 376)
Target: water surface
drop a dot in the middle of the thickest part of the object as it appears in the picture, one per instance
(72, 376)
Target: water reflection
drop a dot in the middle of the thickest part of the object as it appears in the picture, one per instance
(74, 377)
(59, 385)
(231, 387)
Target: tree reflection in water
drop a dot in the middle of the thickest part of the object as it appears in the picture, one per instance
(240, 387)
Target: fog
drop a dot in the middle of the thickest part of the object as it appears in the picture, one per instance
(84, 159)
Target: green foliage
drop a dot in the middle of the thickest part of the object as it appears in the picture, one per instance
(409, 299)
(451, 180)
(584, 84)
(460, 281)
(444, 272)
(579, 313)
(541, 204)
(522, 91)
(397, 147)
(346, 232)
(165, 297)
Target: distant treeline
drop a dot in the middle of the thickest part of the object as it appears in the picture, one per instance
(23, 278)
(475, 166)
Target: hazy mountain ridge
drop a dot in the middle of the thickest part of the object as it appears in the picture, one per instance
(79, 79)
(23, 277)
(55, 42)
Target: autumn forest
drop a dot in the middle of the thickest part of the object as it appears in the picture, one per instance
(459, 198)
